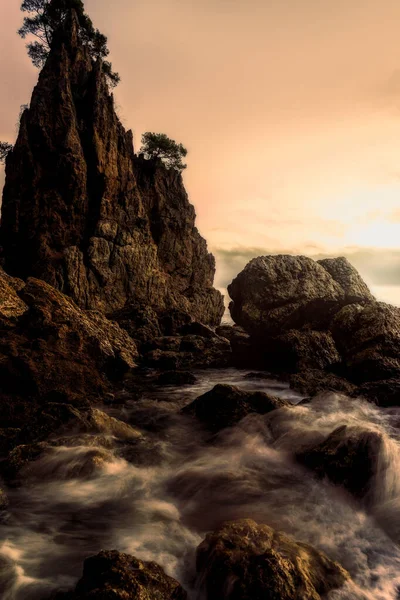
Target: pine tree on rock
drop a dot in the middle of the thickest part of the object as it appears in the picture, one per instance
(46, 17)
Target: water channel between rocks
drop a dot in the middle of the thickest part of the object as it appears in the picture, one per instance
(157, 496)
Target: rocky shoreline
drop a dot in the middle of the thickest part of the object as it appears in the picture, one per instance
(106, 293)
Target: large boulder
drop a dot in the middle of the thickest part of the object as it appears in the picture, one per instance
(275, 293)
(82, 212)
(348, 457)
(116, 576)
(245, 561)
(226, 405)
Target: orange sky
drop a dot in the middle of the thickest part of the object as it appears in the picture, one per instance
(290, 110)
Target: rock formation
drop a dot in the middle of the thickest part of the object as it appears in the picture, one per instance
(82, 212)
(52, 351)
(277, 293)
(315, 318)
(244, 561)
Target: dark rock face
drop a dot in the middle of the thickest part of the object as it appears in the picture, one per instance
(246, 561)
(226, 405)
(169, 353)
(82, 212)
(348, 457)
(51, 350)
(368, 338)
(117, 576)
(245, 354)
(302, 350)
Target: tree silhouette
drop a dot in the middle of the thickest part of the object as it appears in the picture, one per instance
(46, 17)
(5, 149)
(159, 145)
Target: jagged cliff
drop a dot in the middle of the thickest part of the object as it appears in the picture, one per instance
(83, 213)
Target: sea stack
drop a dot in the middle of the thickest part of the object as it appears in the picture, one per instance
(85, 214)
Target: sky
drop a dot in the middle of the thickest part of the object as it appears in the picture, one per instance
(290, 110)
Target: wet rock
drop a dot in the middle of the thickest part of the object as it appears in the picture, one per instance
(19, 458)
(116, 576)
(67, 425)
(226, 405)
(348, 457)
(55, 420)
(383, 393)
(245, 561)
(314, 381)
(176, 378)
(83, 213)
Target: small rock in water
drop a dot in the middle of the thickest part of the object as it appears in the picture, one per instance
(226, 405)
(116, 576)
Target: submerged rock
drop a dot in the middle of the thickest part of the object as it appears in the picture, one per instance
(116, 576)
(245, 561)
(226, 405)
(112, 230)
